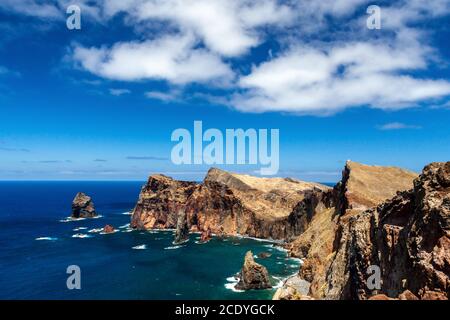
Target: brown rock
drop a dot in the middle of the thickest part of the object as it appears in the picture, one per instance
(83, 207)
(264, 255)
(108, 229)
(293, 288)
(253, 275)
(380, 297)
(407, 295)
(226, 203)
(206, 235)
(434, 295)
(323, 245)
(182, 231)
(406, 236)
(363, 187)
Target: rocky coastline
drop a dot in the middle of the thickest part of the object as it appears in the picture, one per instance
(375, 217)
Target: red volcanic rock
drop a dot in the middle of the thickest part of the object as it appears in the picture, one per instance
(108, 229)
(206, 235)
(226, 203)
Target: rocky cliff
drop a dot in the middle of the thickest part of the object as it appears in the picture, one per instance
(375, 217)
(406, 237)
(361, 187)
(227, 203)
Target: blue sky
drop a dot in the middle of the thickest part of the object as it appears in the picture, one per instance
(101, 103)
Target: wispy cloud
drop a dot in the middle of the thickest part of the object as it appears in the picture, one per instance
(48, 161)
(168, 96)
(146, 158)
(397, 126)
(119, 92)
(14, 149)
(8, 72)
(100, 160)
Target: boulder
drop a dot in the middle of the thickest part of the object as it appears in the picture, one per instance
(108, 229)
(293, 288)
(264, 255)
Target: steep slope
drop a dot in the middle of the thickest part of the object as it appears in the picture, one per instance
(361, 187)
(226, 203)
(407, 237)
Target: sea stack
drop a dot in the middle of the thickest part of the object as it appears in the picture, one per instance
(253, 275)
(182, 231)
(206, 235)
(83, 207)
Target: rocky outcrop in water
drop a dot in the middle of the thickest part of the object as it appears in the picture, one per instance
(83, 207)
(182, 230)
(108, 229)
(206, 235)
(253, 275)
(226, 204)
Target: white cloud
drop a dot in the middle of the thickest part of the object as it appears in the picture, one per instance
(225, 26)
(118, 92)
(397, 126)
(172, 58)
(308, 80)
(328, 60)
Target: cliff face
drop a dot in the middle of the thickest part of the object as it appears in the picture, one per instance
(361, 187)
(407, 237)
(227, 203)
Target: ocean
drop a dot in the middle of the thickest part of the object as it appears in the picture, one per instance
(38, 243)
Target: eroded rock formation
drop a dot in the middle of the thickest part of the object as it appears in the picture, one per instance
(361, 187)
(182, 230)
(407, 237)
(253, 275)
(226, 204)
(83, 207)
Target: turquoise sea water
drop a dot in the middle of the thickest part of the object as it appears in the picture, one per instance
(38, 244)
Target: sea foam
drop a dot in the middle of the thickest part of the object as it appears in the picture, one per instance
(46, 238)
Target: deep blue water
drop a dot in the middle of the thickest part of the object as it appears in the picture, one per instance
(110, 267)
